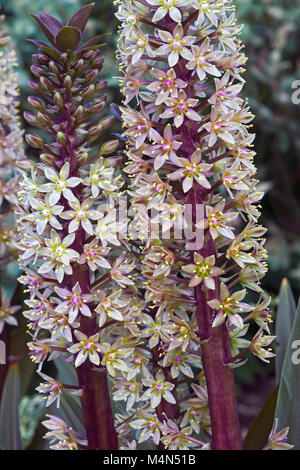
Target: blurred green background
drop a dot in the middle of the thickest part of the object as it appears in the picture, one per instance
(272, 39)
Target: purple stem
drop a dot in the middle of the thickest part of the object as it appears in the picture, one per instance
(220, 384)
(95, 399)
(226, 434)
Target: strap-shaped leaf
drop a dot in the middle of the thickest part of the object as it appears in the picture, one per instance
(70, 406)
(80, 17)
(50, 35)
(52, 23)
(17, 341)
(94, 41)
(51, 52)
(284, 323)
(71, 410)
(259, 431)
(288, 404)
(67, 38)
(66, 372)
(10, 436)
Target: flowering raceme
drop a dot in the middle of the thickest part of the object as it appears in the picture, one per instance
(11, 153)
(153, 321)
(76, 268)
(189, 146)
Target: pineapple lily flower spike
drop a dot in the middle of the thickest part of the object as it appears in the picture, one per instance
(11, 155)
(69, 249)
(189, 145)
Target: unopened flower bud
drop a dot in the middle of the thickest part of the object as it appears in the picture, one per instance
(109, 147)
(94, 132)
(37, 71)
(64, 57)
(35, 141)
(100, 85)
(48, 159)
(35, 58)
(58, 99)
(34, 85)
(79, 66)
(107, 121)
(46, 84)
(25, 164)
(68, 82)
(79, 113)
(36, 103)
(98, 62)
(54, 67)
(61, 138)
(98, 107)
(91, 76)
(44, 119)
(43, 59)
(83, 158)
(88, 92)
(30, 118)
(87, 55)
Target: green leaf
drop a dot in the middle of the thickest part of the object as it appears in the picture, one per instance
(10, 436)
(93, 42)
(284, 323)
(72, 413)
(67, 38)
(17, 341)
(80, 17)
(288, 404)
(31, 410)
(70, 406)
(66, 372)
(259, 431)
(51, 53)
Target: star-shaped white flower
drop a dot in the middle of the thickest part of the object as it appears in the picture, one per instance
(167, 6)
(87, 348)
(176, 45)
(60, 184)
(81, 214)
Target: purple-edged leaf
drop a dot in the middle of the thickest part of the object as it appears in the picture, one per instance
(51, 23)
(45, 29)
(93, 41)
(67, 38)
(10, 436)
(37, 43)
(80, 17)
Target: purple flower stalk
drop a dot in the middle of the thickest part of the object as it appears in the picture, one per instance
(189, 147)
(75, 265)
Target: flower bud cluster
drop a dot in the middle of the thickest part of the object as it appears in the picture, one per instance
(189, 144)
